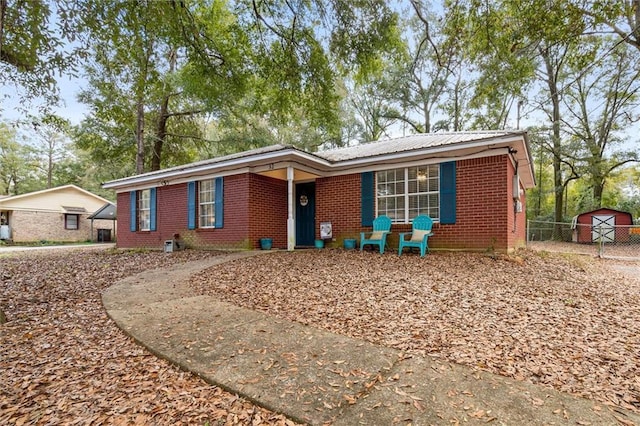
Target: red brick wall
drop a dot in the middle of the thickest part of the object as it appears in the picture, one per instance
(256, 206)
(485, 211)
(338, 200)
(268, 210)
(172, 219)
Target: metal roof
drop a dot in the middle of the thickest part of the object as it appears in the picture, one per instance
(410, 143)
(108, 211)
(212, 161)
(391, 151)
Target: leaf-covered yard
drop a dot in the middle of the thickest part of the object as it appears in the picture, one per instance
(566, 322)
(63, 361)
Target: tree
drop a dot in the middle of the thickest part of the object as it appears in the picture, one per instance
(423, 76)
(168, 63)
(132, 75)
(601, 105)
(551, 74)
(540, 198)
(626, 191)
(372, 110)
(622, 18)
(15, 161)
(52, 144)
(513, 46)
(36, 44)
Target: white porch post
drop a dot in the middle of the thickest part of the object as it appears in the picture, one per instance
(291, 226)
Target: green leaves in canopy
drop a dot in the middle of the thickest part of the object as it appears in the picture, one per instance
(362, 31)
(34, 46)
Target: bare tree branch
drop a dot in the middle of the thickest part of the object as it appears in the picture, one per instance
(427, 37)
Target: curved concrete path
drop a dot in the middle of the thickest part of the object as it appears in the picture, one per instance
(317, 377)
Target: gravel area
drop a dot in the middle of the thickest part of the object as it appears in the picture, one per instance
(566, 321)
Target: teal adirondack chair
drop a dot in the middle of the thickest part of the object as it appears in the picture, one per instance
(381, 228)
(421, 232)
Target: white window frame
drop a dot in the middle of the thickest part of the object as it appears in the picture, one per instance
(402, 180)
(207, 203)
(144, 210)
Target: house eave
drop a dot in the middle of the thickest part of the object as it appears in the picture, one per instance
(515, 145)
(242, 163)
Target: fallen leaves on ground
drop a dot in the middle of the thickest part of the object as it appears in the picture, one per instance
(567, 322)
(63, 361)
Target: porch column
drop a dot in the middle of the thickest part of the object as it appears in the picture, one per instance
(291, 226)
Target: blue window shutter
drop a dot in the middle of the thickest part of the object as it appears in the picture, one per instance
(367, 200)
(152, 213)
(219, 203)
(448, 192)
(191, 205)
(133, 204)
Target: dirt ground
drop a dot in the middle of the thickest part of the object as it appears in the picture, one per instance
(565, 321)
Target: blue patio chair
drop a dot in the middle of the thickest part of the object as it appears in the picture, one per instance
(381, 228)
(419, 236)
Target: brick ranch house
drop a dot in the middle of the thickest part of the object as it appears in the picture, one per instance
(58, 214)
(470, 183)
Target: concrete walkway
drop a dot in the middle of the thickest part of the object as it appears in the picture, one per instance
(317, 377)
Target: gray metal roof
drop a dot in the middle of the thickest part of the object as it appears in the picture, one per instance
(425, 145)
(108, 211)
(211, 161)
(410, 143)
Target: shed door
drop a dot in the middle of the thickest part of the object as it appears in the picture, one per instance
(603, 226)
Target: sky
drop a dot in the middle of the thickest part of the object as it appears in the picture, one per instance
(71, 108)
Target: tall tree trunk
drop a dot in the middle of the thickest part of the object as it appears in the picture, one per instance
(3, 9)
(163, 116)
(598, 189)
(540, 188)
(427, 119)
(456, 104)
(144, 55)
(558, 183)
(140, 135)
(50, 168)
(161, 133)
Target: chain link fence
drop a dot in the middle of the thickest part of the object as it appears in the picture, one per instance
(601, 239)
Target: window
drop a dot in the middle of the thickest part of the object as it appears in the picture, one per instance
(144, 210)
(403, 194)
(207, 203)
(70, 221)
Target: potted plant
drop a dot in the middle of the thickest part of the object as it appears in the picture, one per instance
(349, 243)
(266, 243)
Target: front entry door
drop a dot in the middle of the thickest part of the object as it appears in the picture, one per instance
(305, 213)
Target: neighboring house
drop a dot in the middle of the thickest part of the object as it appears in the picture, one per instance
(57, 214)
(470, 183)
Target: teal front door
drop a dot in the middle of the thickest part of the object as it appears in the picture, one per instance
(305, 213)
